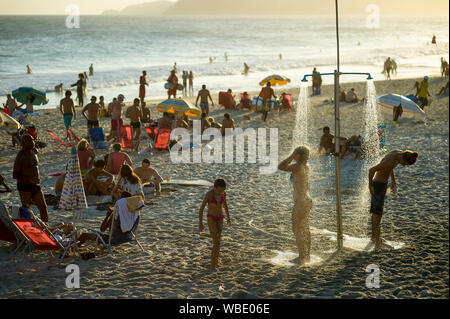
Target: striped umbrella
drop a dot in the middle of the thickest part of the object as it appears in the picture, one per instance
(26, 95)
(275, 79)
(73, 196)
(179, 105)
(8, 123)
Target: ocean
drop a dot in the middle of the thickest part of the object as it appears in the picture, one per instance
(121, 47)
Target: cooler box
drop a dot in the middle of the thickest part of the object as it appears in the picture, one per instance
(272, 104)
(168, 86)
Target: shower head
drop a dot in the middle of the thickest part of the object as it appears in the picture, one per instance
(369, 77)
(304, 79)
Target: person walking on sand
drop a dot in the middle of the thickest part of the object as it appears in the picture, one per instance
(116, 118)
(67, 108)
(378, 184)
(266, 93)
(203, 95)
(173, 80)
(142, 84)
(79, 85)
(26, 172)
(134, 113)
(93, 110)
(191, 83)
(215, 199)
(302, 201)
(91, 70)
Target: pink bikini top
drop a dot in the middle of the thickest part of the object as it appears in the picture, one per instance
(222, 199)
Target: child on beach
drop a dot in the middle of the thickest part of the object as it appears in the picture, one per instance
(215, 198)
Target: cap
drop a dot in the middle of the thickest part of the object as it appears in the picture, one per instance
(120, 96)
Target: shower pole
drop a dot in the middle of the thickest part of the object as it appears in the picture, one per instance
(337, 132)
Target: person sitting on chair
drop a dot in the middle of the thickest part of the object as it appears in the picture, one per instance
(94, 186)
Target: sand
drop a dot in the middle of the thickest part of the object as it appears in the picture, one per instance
(177, 256)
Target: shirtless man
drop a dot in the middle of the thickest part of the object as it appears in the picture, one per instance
(191, 83)
(266, 93)
(67, 108)
(302, 201)
(378, 184)
(94, 185)
(134, 113)
(164, 121)
(148, 174)
(26, 172)
(203, 95)
(93, 115)
(142, 84)
(109, 110)
(79, 85)
(351, 97)
(205, 124)
(326, 141)
(227, 123)
(116, 118)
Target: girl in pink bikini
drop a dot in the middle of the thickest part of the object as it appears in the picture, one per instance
(215, 198)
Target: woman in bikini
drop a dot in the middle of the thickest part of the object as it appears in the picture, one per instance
(215, 198)
(302, 201)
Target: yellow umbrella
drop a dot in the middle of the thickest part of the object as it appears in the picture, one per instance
(179, 105)
(275, 79)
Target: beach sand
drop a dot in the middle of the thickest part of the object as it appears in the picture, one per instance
(260, 208)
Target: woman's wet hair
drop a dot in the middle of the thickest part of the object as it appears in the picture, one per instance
(303, 152)
(117, 147)
(220, 182)
(410, 157)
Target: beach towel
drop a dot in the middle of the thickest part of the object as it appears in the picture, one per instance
(73, 196)
(97, 138)
(134, 203)
(127, 218)
(163, 139)
(58, 139)
(126, 137)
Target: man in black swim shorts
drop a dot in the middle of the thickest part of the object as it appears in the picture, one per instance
(378, 183)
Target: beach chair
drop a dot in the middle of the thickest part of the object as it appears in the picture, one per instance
(97, 138)
(9, 232)
(116, 235)
(289, 99)
(152, 132)
(73, 135)
(225, 99)
(59, 140)
(163, 139)
(246, 103)
(126, 137)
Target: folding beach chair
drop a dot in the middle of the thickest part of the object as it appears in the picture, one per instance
(126, 137)
(97, 138)
(73, 135)
(163, 139)
(116, 235)
(9, 231)
(289, 98)
(225, 99)
(59, 140)
(152, 132)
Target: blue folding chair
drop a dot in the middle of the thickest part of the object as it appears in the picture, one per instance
(97, 138)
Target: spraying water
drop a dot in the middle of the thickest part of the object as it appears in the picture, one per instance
(372, 150)
(300, 133)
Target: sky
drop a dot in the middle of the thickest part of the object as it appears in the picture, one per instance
(58, 7)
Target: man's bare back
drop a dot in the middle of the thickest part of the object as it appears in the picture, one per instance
(204, 94)
(67, 105)
(134, 113)
(116, 110)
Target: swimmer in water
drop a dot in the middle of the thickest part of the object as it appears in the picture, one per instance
(302, 202)
(215, 199)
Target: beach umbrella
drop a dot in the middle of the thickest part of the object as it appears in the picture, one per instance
(410, 109)
(26, 95)
(8, 123)
(275, 79)
(179, 105)
(73, 196)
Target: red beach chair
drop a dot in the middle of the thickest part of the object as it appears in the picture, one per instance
(225, 99)
(152, 132)
(126, 137)
(59, 140)
(163, 139)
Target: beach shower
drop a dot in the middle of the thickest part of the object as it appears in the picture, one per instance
(300, 133)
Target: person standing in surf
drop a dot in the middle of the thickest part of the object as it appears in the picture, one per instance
(215, 199)
(378, 184)
(302, 201)
(142, 84)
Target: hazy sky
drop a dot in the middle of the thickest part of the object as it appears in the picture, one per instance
(59, 6)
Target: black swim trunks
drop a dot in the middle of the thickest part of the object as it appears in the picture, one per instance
(92, 123)
(135, 124)
(377, 201)
(28, 188)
